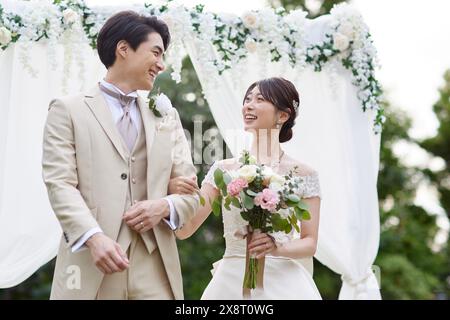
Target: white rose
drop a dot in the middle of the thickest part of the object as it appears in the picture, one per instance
(346, 28)
(341, 42)
(275, 186)
(69, 16)
(248, 172)
(5, 36)
(163, 104)
(250, 20)
(250, 45)
(276, 178)
(313, 52)
(267, 172)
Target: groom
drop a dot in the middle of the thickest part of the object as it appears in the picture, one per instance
(107, 161)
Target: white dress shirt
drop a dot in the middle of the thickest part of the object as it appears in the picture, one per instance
(117, 112)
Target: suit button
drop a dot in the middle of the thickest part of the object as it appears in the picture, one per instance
(124, 176)
(133, 159)
(133, 180)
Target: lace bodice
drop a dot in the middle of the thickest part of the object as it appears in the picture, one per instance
(232, 220)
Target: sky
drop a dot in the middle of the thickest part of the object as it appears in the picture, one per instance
(413, 43)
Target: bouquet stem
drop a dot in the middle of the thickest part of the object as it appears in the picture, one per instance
(251, 274)
(254, 267)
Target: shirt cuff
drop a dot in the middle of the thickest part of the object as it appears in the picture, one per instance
(172, 222)
(80, 244)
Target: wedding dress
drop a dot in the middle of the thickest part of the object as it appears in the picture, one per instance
(284, 278)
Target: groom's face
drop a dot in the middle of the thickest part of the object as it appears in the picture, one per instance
(144, 64)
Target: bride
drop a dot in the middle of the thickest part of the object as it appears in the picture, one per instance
(269, 111)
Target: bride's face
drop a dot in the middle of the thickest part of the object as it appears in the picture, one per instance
(257, 112)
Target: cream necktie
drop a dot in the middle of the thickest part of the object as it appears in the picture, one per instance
(125, 124)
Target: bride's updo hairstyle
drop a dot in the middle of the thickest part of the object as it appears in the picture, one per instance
(284, 96)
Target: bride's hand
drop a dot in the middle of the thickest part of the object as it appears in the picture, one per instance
(261, 244)
(183, 185)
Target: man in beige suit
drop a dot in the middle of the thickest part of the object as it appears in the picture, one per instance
(107, 163)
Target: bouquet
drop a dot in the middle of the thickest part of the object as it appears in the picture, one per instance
(261, 195)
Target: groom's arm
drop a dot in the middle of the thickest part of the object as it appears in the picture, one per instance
(59, 171)
(185, 205)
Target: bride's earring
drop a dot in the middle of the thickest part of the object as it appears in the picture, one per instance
(278, 125)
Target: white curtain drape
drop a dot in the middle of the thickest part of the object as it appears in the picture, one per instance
(29, 231)
(332, 135)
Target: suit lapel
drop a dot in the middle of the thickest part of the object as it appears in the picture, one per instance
(149, 122)
(96, 102)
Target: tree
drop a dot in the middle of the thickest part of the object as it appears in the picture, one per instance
(410, 268)
(439, 146)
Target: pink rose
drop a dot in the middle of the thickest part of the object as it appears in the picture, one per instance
(267, 199)
(236, 186)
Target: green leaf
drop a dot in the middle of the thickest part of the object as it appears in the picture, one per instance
(151, 103)
(157, 113)
(294, 222)
(202, 201)
(235, 202)
(303, 205)
(224, 190)
(297, 228)
(251, 193)
(247, 201)
(218, 178)
(290, 203)
(227, 178)
(306, 215)
(216, 207)
(227, 203)
(288, 228)
(278, 223)
(293, 198)
(302, 214)
(244, 215)
(298, 213)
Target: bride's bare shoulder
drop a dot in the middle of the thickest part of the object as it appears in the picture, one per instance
(300, 168)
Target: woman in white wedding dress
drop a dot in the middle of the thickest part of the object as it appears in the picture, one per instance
(269, 111)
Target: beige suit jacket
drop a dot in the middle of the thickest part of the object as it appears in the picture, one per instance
(84, 165)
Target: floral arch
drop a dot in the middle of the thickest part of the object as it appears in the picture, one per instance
(47, 51)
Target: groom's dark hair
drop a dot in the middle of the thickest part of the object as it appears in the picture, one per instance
(131, 27)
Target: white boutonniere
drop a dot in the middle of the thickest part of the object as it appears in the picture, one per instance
(159, 104)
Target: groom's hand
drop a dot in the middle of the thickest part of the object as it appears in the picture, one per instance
(107, 254)
(145, 215)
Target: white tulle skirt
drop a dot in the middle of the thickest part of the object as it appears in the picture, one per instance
(284, 279)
